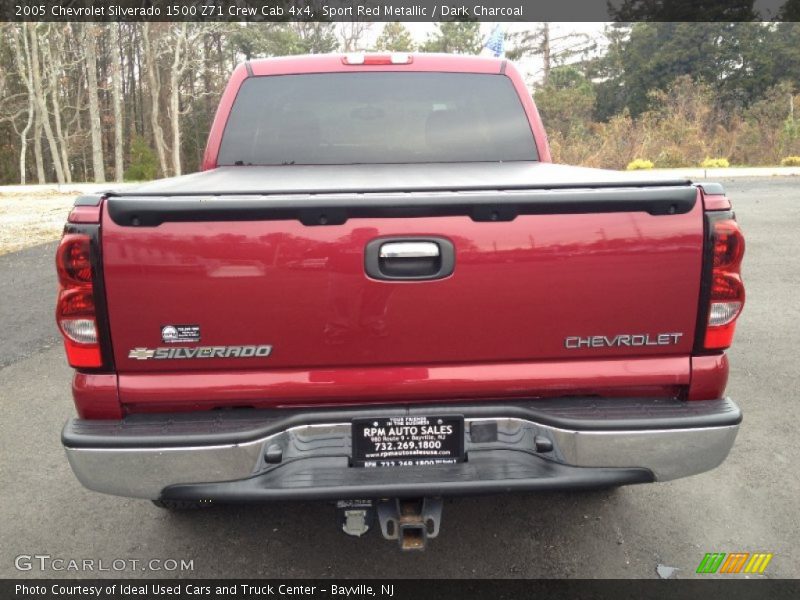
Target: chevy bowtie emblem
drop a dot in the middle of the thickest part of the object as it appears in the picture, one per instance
(141, 353)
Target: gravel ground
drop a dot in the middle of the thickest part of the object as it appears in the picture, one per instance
(30, 219)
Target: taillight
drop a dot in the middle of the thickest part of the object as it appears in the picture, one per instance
(76, 313)
(74, 259)
(726, 290)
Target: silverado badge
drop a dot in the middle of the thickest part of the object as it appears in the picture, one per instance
(200, 352)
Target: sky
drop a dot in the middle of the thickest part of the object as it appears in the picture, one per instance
(530, 67)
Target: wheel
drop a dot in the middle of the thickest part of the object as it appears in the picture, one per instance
(179, 504)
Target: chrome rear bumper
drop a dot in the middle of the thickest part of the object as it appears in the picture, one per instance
(538, 445)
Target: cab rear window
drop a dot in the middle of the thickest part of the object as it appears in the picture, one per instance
(376, 117)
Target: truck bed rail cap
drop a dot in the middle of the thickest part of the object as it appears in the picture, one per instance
(336, 209)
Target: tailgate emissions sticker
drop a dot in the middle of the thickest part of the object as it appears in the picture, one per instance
(174, 334)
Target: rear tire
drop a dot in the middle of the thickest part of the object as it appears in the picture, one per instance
(179, 505)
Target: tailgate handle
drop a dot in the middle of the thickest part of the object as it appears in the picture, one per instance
(409, 250)
(410, 259)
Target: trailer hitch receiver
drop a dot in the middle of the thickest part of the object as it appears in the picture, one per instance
(410, 521)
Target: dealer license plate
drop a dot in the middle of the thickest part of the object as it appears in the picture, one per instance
(408, 441)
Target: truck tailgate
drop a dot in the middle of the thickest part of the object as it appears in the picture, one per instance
(528, 284)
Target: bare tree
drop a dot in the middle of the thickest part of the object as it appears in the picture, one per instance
(22, 61)
(116, 94)
(38, 157)
(90, 33)
(41, 102)
(180, 62)
(55, 65)
(154, 79)
(547, 56)
(554, 50)
(351, 35)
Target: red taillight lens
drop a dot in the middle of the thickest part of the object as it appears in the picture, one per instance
(73, 259)
(726, 296)
(75, 308)
(728, 244)
(76, 302)
(726, 287)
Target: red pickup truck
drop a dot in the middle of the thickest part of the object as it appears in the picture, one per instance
(380, 291)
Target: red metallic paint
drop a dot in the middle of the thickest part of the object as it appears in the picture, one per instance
(332, 63)
(221, 117)
(530, 283)
(518, 290)
(85, 214)
(709, 377)
(537, 127)
(347, 386)
(96, 396)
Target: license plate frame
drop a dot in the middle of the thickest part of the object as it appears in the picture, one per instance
(406, 441)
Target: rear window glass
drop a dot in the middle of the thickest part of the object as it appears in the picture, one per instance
(377, 117)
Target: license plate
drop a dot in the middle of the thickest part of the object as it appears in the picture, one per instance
(408, 441)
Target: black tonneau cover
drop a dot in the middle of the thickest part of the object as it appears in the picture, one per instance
(330, 194)
(315, 179)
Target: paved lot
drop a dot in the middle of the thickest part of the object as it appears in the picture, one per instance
(750, 503)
